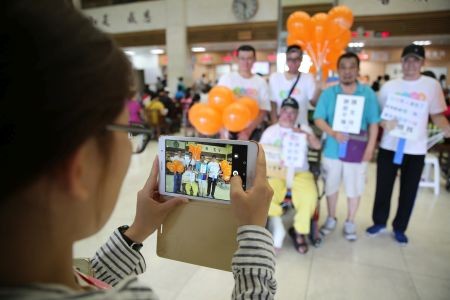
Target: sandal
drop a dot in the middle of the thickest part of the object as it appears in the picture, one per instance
(299, 241)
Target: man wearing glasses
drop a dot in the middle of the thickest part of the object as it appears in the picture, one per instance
(305, 90)
(244, 83)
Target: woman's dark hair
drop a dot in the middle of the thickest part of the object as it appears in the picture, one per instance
(76, 81)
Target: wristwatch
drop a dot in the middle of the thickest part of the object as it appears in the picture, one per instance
(130, 242)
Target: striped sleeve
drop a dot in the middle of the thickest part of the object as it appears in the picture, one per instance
(115, 260)
(253, 264)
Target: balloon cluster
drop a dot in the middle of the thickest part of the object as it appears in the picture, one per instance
(223, 110)
(226, 170)
(323, 36)
(175, 166)
(196, 151)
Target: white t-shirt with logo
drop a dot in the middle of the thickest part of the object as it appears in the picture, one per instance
(274, 135)
(254, 87)
(213, 169)
(303, 92)
(425, 89)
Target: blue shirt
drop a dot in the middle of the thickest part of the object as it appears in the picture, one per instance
(325, 111)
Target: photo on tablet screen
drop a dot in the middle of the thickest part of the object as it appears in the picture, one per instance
(203, 169)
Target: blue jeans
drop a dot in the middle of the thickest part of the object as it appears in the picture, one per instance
(176, 182)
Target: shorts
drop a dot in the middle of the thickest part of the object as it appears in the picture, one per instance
(353, 174)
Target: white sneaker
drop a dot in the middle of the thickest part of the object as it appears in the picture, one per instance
(350, 231)
(328, 226)
(278, 231)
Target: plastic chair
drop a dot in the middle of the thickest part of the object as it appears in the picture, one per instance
(427, 180)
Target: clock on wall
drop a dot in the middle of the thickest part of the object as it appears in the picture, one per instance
(245, 9)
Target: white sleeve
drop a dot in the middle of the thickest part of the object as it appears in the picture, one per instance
(383, 94)
(272, 89)
(264, 103)
(268, 135)
(311, 84)
(437, 102)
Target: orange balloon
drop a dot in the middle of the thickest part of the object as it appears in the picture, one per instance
(252, 105)
(334, 31)
(206, 120)
(320, 26)
(293, 40)
(299, 24)
(236, 117)
(178, 166)
(342, 41)
(220, 97)
(341, 15)
(195, 109)
(170, 166)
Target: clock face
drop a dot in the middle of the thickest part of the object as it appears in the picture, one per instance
(245, 9)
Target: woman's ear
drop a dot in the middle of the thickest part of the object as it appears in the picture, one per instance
(76, 173)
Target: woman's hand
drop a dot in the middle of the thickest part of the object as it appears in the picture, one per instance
(251, 207)
(152, 208)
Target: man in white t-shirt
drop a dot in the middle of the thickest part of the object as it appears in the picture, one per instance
(305, 91)
(420, 88)
(244, 83)
(213, 170)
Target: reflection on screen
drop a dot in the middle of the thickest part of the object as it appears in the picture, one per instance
(203, 169)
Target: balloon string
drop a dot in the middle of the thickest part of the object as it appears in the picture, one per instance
(312, 54)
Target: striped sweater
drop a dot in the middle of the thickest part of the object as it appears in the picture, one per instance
(117, 264)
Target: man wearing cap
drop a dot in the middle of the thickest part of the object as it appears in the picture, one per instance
(244, 83)
(304, 193)
(419, 88)
(350, 166)
(304, 88)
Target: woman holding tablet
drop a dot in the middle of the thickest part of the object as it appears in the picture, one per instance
(65, 157)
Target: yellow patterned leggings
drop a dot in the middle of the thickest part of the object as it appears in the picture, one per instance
(304, 199)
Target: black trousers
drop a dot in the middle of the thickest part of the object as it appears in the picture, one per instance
(211, 182)
(410, 174)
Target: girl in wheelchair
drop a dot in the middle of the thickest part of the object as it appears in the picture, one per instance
(302, 181)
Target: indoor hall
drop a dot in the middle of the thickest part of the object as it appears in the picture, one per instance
(173, 39)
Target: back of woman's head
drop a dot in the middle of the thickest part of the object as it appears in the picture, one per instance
(61, 82)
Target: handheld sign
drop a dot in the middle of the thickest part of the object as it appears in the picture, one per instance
(348, 117)
(411, 115)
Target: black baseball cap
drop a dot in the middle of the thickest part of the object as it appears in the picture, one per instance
(414, 50)
(290, 102)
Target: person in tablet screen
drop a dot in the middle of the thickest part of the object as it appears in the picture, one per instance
(202, 175)
(213, 175)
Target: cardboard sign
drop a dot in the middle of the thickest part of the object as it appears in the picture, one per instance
(282, 161)
(348, 113)
(411, 115)
(294, 149)
(274, 166)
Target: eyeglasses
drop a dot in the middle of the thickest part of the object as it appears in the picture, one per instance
(139, 136)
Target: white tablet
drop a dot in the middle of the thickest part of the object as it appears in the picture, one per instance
(201, 168)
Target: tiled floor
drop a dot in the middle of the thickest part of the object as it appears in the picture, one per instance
(370, 268)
